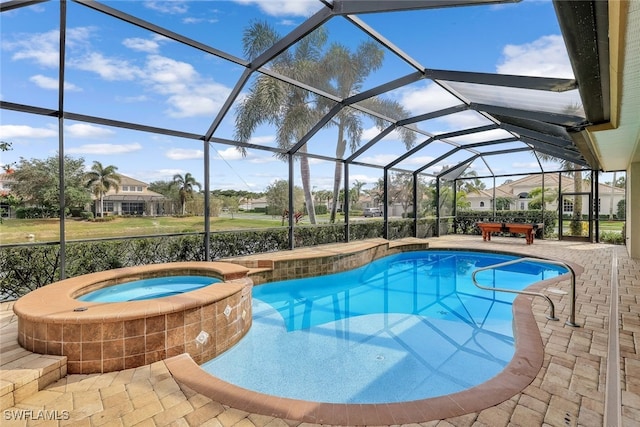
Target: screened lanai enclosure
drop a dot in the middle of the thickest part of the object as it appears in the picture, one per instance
(437, 114)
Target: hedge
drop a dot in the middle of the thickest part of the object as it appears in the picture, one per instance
(24, 268)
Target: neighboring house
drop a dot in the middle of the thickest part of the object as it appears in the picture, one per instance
(5, 188)
(251, 204)
(132, 198)
(518, 191)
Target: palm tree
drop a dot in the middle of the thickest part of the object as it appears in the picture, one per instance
(102, 179)
(185, 186)
(347, 72)
(272, 101)
(357, 191)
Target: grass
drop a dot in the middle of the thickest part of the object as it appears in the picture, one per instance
(48, 230)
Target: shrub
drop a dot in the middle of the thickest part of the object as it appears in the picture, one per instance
(35, 212)
(86, 215)
(28, 267)
(612, 237)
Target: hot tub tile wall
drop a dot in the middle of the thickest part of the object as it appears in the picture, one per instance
(115, 336)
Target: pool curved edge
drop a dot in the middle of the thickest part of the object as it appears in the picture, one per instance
(111, 336)
(517, 375)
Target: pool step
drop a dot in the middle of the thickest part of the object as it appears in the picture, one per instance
(23, 373)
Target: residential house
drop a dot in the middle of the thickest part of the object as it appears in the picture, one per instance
(6, 180)
(518, 194)
(132, 198)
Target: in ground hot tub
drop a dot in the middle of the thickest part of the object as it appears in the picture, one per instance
(109, 336)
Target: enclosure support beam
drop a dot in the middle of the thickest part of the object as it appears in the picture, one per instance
(345, 208)
(207, 202)
(291, 205)
(63, 240)
(385, 198)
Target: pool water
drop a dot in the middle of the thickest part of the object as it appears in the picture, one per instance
(157, 287)
(406, 327)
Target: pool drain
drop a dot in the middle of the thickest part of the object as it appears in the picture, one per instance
(379, 357)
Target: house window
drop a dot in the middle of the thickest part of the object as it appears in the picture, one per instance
(139, 188)
(567, 206)
(107, 207)
(521, 206)
(132, 208)
(482, 204)
(125, 188)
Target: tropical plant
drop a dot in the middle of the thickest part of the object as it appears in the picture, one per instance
(348, 71)
(293, 109)
(100, 180)
(550, 195)
(185, 185)
(503, 203)
(469, 182)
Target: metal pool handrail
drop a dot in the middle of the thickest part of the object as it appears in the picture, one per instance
(552, 314)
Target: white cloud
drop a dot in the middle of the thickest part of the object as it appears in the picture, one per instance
(83, 130)
(43, 48)
(426, 99)
(525, 165)
(372, 132)
(363, 178)
(131, 99)
(184, 154)
(173, 7)
(111, 69)
(262, 159)
(545, 57)
(262, 140)
(22, 131)
(188, 93)
(379, 159)
(231, 153)
(141, 45)
(104, 149)
(155, 175)
(52, 84)
(285, 7)
(417, 160)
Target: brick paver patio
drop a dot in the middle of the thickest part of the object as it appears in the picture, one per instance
(569, 390)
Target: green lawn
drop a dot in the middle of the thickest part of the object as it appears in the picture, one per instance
(47, 230)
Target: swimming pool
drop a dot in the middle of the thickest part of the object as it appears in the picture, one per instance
(157, 287)
(406, 327)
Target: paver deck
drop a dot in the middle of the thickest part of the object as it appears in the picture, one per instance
(569, 390)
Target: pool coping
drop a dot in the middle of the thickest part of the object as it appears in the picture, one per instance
(517, 375)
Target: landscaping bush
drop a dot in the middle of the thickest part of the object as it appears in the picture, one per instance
(612, 237)
(36, 213)
(25, 268)
(86, 215)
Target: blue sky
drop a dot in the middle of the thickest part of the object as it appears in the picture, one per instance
(121, 72)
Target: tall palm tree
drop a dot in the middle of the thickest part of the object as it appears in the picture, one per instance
(100, 180)
(185, 186)
(292, 109)
(346, 72)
